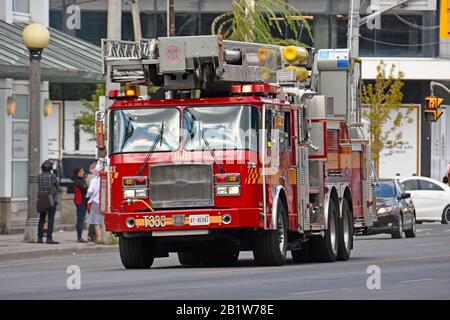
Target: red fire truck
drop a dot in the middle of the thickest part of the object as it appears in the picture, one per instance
(255, 148)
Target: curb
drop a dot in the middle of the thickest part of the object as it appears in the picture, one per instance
(57, 251)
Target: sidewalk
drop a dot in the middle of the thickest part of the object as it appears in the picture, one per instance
(12, 247)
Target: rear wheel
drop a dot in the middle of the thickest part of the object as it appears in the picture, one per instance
(398, 234)
(326, 249)
(188, 258)
(345, 233)
(137, 253)
(446, 215)
(412, 232)
(269, 247)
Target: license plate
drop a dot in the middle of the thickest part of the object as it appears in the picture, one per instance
(178, 220)
(199, 220)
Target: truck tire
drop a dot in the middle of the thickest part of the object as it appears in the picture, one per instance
(270, 246)
(345, 232)
(136, 253)
(188, 258)
(412, 232)
(219, 258)
(302, 255)
(326, 249)
(398, 234)
(446, 215)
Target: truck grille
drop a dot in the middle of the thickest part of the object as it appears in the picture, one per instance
(181, 185)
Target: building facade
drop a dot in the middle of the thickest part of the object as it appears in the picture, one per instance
(65, 60)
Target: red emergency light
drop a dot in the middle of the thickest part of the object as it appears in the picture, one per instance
(130, 93)
(255, 88)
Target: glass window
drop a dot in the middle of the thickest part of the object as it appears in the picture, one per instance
(224, 128)
(22, 6)
(137, 130)
(21, 106)
(19, 179)
(396, 37)
(411, 185)
(386, 189)
(429, 186)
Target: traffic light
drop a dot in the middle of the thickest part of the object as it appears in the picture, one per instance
(432, 112)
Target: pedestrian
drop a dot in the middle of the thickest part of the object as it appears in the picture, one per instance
(95, 216)
(90, 176)
(80, 188)
(47, 186)
(445, 179)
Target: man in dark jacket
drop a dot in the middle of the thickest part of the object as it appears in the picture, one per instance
(47, 185)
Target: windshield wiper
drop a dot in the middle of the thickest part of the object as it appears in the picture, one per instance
(211, 150)
(159, 139)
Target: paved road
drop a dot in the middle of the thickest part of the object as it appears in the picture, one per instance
(410, 269)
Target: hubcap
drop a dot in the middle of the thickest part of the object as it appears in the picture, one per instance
(346, 230)
(333, 233)
(447, 215)
(281, 235)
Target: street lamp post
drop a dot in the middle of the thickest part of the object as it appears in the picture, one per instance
(35, 37)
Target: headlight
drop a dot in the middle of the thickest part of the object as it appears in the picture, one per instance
(387, 210)
(135, 193)
(141, 193)
(228, 191)
(129, 193)
(234, 191)
(221, 191)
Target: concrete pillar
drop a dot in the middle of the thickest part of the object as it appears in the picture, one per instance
(6, 90)
(5, 215)
(321, 32)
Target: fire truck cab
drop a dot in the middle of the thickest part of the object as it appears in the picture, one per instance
(254, 149)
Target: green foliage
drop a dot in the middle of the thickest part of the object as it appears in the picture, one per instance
(87, 118)
(255, 23)
(384, 99)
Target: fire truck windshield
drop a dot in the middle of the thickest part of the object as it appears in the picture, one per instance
(224, 127)
(135, 130)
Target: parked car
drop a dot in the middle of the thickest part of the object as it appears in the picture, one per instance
(431, 198)
(395, 210)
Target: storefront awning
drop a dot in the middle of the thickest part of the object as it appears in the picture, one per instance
(66, 59)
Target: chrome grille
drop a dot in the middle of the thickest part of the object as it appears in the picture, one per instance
(181, 185)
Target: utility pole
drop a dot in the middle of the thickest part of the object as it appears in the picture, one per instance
(171, 18)
(135, 11)
(354, 24)
(35, 37)
(114, 32)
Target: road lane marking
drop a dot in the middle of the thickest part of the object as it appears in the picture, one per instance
(427, 244)
(417, 280)
(309, 292)
(421, 230)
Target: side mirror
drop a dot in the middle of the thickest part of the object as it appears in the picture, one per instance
(404, 196)
(99, 125)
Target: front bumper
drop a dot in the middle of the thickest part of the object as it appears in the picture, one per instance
(385, 224)
(152, 221)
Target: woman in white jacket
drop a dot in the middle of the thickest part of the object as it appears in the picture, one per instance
(95, 216)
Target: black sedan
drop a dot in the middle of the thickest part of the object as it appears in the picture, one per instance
(395, 210)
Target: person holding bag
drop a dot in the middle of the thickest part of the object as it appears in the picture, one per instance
(47, 201)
